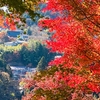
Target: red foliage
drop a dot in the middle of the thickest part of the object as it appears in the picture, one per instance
(76, 37)
(8, 22)
(94, 87)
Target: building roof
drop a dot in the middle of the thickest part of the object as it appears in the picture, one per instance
(14, 33)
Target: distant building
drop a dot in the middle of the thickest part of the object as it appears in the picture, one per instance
(19, 38)
(10, 43)
(18, 34)
(14, 34)
(59, 56)
(24, 37)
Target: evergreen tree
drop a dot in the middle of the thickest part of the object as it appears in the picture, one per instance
(41, 64)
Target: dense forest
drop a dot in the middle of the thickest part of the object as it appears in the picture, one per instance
(27, 54)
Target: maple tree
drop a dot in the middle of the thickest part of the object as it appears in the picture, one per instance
(77, 37)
